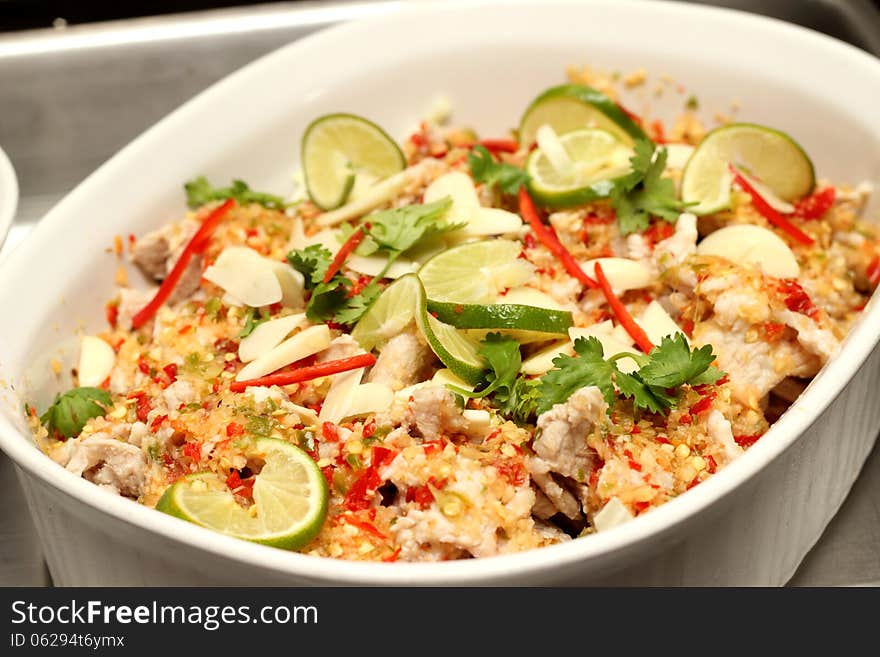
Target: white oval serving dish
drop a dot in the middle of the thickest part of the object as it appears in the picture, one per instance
(750, 524)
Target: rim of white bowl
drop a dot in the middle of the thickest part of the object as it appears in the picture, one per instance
(8, 196)
(783, 434)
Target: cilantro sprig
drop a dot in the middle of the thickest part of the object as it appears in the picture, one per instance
(397, 230)
(199, 192)
(486, 170)
(515, 395)
(644, 192)
(333, 300)
(390, 232)
(653, 387)
(70, 411)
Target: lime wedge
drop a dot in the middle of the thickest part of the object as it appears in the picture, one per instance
(389, 314)
(595, 160)
(769, 155)
(290, 499)
(475, 272)
(502, 316)
(573, 106)
(338, 149)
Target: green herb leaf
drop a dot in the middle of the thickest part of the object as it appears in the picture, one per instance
(486, 170)
(312, 262)
(672, 363)
(587, 368)
(521, 404)
(399, 229)
(653, 387)
(200, 192)
(69, 412)
(644, 193)
(515, 395)
(357, 305)
(504, 359)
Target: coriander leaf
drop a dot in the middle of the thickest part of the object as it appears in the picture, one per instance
(672, 363)
(644, 396)
(504, 359)
(357, 305)
(312, 262)
(199, 192)
(521, 403)
(644, 192)
(515, 395)
(327, 299)
(486, 170)
(399, 229)
(711, 375)
(69, 412)
(587, 368)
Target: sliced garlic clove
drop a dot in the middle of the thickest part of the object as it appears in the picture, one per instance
(292, 284)
(745, 244)
(529, 296)
(541, 361)
(677, 156)
(306, 415)
(614, 513)
(657, 323)
(380, 193)
(369, 398)
(445, 376)
(491, 221)
(479, 421)
(305, 343)
(460, 188)
(243, 273)
(268, 335)
(338, 398)
(96, 361)
(623, 274)
(373, 265)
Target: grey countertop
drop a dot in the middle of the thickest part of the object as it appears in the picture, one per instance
(69, 99)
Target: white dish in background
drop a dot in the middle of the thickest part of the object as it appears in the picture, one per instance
(750, 524)
(8, 195)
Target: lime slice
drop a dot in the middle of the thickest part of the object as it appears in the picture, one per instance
(596, 158)
(502, 316)
(337, 149)
(573, 106)
(475, 272)
(453, 347)
(769, 155)
(389, 314)
(290, 499)
(396, 307)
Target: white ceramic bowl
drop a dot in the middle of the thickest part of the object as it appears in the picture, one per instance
(8, 195)
(750, 524)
